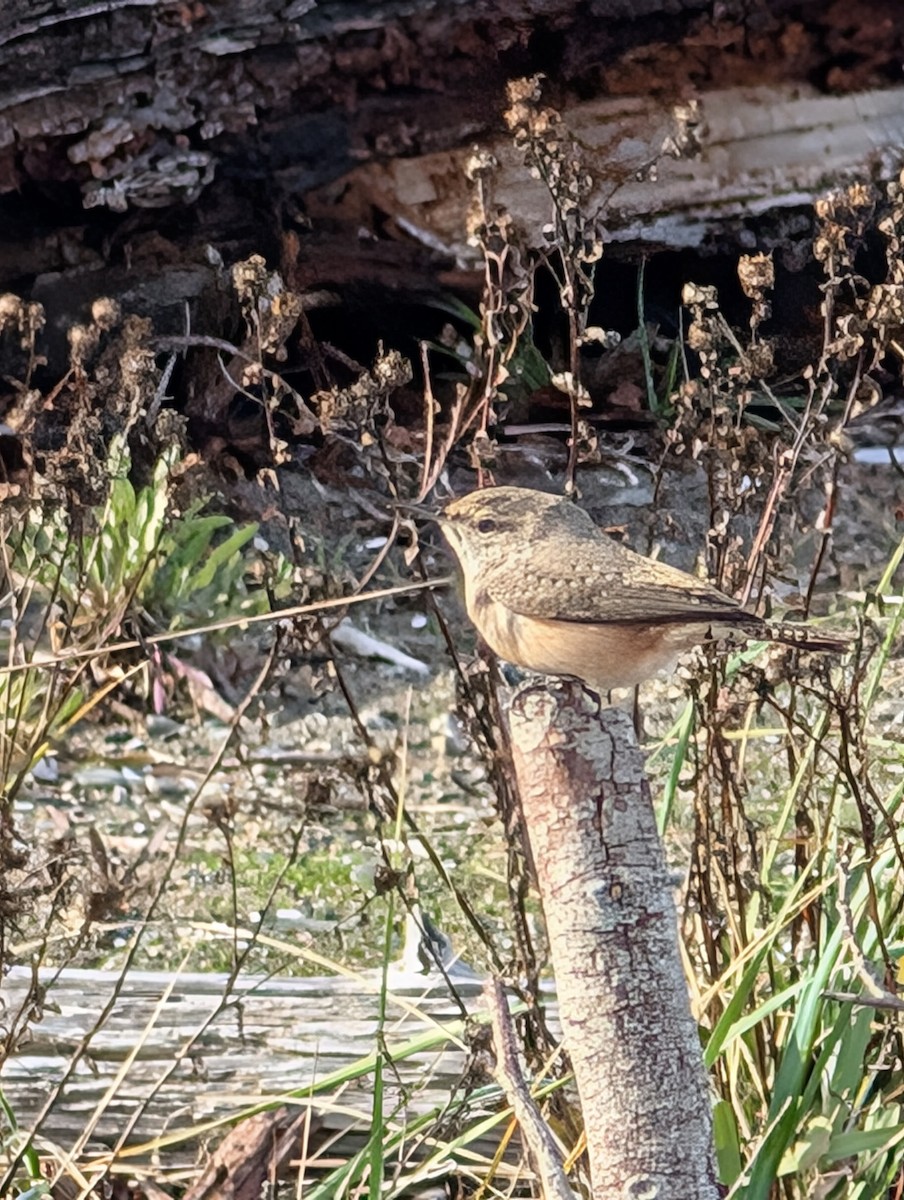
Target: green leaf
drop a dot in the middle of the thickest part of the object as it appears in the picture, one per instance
(221, 554)
(683, 728)
(863, 1141)
(727, 1142)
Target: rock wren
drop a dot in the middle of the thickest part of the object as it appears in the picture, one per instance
(550, 591)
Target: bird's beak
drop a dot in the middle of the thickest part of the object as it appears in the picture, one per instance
(421, 511)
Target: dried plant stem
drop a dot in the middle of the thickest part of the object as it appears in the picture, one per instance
(546, 1157)
(81, 1049)
(281, 614)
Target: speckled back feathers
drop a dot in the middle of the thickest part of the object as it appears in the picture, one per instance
(542, 556)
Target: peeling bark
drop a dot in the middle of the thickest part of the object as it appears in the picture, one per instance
(258, 1151)
(760, 149)
(612, 930)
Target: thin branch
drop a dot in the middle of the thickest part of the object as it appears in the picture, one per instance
(281, 614)
(546, 1157)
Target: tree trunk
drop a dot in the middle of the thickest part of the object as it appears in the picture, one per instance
(612, 929)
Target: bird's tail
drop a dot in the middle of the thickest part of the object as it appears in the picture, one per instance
(805, 637)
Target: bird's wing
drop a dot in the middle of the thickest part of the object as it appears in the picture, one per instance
(613, 585)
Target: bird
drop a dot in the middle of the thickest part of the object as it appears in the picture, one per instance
(549, 591)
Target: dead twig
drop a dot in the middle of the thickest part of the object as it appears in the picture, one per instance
(546, 1156)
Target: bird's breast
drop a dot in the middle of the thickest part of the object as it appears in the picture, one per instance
(603, 655)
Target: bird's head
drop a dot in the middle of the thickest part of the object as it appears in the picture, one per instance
(483, 525)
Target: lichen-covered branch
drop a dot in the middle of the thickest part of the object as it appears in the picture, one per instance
(612, 930)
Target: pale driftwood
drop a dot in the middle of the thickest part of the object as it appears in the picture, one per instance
(761, 148)
(276, 1035)
(349, 637)
(612, 927)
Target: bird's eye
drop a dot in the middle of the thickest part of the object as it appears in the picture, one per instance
(486, 525)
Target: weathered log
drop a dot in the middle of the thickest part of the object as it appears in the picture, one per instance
(759, 149)
(138, 103)
(138, 100)
(271, 1037)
